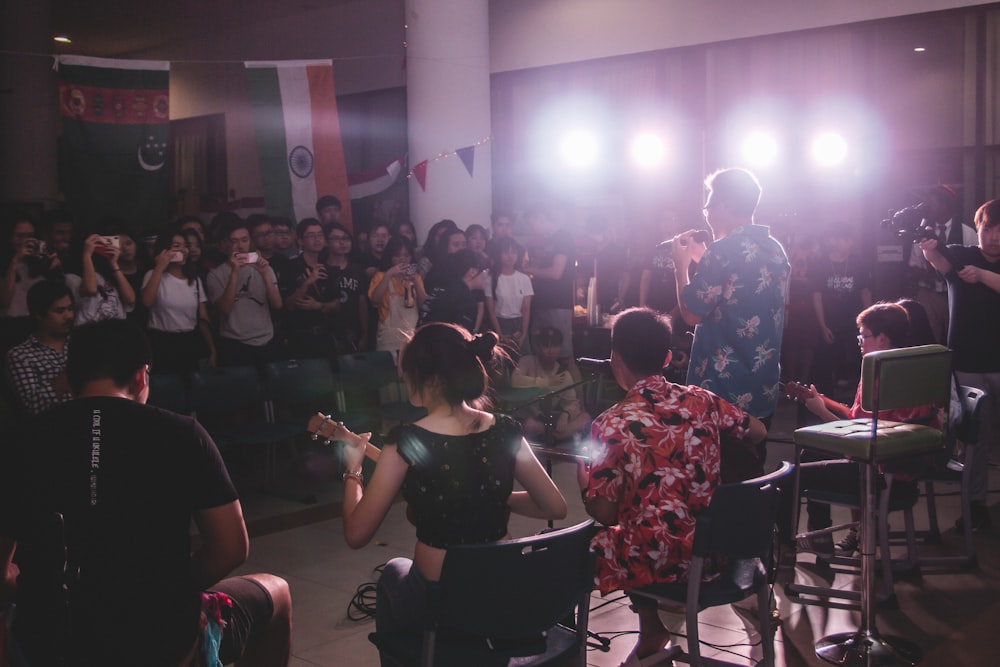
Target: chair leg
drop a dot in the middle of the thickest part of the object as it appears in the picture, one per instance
(885, 553)
(766, 624)
(691, 609)
(933, 530)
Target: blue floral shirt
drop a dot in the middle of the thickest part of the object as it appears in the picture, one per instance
(739, 294)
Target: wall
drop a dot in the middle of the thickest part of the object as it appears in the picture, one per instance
(533, 33)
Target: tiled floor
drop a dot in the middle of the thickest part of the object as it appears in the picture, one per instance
(952, 616)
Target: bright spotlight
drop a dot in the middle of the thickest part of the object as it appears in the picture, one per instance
(648, 150)
(579, 149)
(760, 149)
(829, 149)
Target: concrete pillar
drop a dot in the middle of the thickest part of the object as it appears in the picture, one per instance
(29, 119)
(448, 107)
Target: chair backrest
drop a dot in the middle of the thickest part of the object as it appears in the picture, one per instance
(739, 521)
(906, 377)
(225, 389)
(299, 380)
(515, 588)
(168, 392)
(366, 371)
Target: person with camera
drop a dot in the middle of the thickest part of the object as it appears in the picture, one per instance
(180, 332)
(397, 291)
(939, 216)
(101, 290)
(243, 290)
(120, 584)
(25, 262)
(973, 275)
(736, 299)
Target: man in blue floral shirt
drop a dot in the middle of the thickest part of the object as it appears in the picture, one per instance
(736, 300)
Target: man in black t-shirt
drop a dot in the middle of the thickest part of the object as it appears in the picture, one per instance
(973, 275)
(551, 267)
(128, 480)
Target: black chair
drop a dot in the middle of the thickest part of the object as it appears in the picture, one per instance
(363, 376)
(231, 404)
(501, 604)
(298, 388)
(739, 524)
(168, 392)
(972, 400)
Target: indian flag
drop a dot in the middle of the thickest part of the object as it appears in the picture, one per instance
(298, 136)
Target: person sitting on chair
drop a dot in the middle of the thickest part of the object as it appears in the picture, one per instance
(882, 326)
(543, 370)
(656, 466)
(128, 480)
(456, 469)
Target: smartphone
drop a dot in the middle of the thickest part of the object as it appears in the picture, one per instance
(176, 256)
(409, 270)
(110, 241)
(252, 258)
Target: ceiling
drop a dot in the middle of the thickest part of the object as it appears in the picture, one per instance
(119, 29)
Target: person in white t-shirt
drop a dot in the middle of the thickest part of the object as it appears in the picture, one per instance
(510, 306)
(179, 329)
(101, 291)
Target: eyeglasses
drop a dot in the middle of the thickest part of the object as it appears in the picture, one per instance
(862, 337)
(313, 237)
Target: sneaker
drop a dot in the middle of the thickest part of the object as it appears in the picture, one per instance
(821, 545)
(849, 544)
(981, 518)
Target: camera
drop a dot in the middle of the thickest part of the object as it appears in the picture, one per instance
(37, 247)
(906, 223)
(106, 243)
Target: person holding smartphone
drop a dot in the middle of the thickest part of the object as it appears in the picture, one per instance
(179, 329)
(397, 291)
(244, 290)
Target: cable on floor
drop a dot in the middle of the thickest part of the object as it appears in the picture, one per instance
(362, 605)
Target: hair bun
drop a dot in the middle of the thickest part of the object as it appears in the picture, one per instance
(482, 345)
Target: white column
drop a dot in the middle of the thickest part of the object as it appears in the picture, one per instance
(448, 107)
(29, 120)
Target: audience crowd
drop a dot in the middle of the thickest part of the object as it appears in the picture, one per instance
(247, 291)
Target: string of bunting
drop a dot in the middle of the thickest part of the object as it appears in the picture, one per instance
(467, 154)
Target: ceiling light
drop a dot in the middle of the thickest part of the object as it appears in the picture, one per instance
(62, 39)
(919, 49)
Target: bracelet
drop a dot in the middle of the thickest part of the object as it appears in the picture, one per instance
(355, 474)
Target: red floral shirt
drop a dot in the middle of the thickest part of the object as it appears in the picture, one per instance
(658, 458)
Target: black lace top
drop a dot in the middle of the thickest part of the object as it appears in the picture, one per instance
(457, 485)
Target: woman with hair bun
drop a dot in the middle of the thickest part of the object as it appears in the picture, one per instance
(456, 468)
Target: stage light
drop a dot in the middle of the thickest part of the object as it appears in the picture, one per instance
(829, 149)
(579, 149)
(760, 149)
(648, 150)
(62, 39)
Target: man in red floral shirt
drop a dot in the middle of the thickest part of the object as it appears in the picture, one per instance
(657, 465)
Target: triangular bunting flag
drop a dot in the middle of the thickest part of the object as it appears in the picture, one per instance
(468, 157)
(420, 173)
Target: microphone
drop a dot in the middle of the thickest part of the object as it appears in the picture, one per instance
(700, 236)
(595, 365)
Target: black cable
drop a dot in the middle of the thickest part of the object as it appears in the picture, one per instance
(362, 605)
